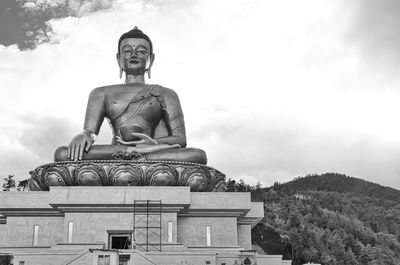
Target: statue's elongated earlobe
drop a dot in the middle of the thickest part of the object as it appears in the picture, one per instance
(120, 72)
(151, 64)
(149, 72)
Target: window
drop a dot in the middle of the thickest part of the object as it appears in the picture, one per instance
(123, 259)
(208, 262)
(208, 235)
(35, 235)
(120, 239)
(22, 263)
(70, 232)
(104, 260)
(169, 232)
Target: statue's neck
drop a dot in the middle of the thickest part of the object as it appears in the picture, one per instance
(129, 79)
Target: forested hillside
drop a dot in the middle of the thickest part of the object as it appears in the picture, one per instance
(328, 219)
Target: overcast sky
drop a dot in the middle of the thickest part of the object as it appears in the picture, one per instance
(270, 89)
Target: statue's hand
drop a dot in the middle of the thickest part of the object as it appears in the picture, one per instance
(80, 143)
(144, 139)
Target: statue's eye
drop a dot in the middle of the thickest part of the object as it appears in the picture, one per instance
(127, 52)
(142, 51)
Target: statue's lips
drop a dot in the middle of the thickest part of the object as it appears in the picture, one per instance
(133, 62)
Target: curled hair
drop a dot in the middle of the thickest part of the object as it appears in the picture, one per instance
(136, 34)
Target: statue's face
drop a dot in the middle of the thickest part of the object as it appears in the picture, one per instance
(134, 56)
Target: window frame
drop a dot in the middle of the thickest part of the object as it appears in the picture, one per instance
(70, 231)
(35, 238)
(208, 235)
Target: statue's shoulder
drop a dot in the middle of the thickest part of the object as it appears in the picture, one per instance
(102, 90)
(166, 92)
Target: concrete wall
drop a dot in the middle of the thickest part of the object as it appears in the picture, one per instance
(220, 200)
(93, 226)
(244, 236)
(257, 210)
(41, 259)
(117, 195)
(192, 231)
(2, 235)
(24, 200)
(169, 217)
(183, 258)
(86, 259)
(20, 230)
(255, 260)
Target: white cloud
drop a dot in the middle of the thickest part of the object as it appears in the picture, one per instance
(269, 92)
(57, 8)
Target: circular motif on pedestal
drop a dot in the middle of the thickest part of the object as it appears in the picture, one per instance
(55, 176)
(162, 175)
(126, 175)
(196, 178)
(90, 175)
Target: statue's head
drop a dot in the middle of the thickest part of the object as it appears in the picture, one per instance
(135, 52)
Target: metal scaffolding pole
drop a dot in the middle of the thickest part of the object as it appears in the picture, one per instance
(147, 224)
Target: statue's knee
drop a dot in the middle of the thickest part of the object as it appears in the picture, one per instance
(61, 154)
(198, 156)
(203, 156)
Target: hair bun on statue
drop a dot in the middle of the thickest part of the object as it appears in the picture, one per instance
(137, 34)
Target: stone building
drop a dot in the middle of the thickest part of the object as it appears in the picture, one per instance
(130, 225)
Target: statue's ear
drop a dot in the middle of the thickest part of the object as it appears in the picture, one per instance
(151, 63)
(117, 55)
(119, 64)
(152, 57)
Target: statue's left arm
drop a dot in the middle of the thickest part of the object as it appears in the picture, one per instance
(173, 117)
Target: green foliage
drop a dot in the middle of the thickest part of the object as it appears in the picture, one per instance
(335, 182)
(22, 185)
(240, 186)
(9, 183)
(329, 219)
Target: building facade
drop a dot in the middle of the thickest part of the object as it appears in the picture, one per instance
(130, 225)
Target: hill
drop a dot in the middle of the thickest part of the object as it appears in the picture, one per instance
(329, 219)
(340, 183)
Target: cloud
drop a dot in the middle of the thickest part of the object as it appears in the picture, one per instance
(259, 147)
(373, 33)
(43, 134)
(268, 92)
(62, 8)
(30, 19)
(33, 143)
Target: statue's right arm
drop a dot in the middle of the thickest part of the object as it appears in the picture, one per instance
(95, 113)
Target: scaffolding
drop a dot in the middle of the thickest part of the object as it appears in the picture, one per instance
(147, 225)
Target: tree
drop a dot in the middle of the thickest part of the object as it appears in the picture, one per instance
(230, 185)
(23, 184)
(9, 183)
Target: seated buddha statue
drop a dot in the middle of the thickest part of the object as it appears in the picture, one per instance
(146, 120)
